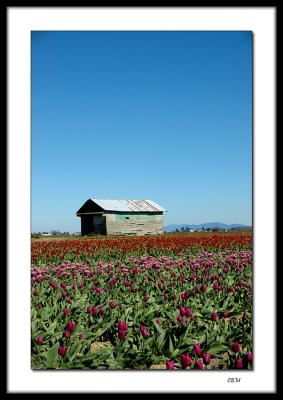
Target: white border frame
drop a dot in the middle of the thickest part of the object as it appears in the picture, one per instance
(21, 21)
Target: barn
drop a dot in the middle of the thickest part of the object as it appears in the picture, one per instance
(121, 217)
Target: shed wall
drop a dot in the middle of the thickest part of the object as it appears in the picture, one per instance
(134, 223)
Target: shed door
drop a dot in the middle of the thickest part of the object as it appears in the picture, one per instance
(99, 224)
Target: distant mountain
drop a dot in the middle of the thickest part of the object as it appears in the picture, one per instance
(208, 225)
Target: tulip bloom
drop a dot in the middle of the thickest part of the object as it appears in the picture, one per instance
(143, 330)
(40, 340)
(122, 326)
(249, 356)
(169, 364)
(71, 326)
(122, 335)
(62, 350)
(197, 348)
(199, 364)
(206, 358)
(225, 314)
(235, 347)
(239, 363)
(186, 360)
(203, 288)
(66, 311)
(112, 304)
(187, 312)
(182, 311)
(213, 316)
(180, 318)
(67, 333)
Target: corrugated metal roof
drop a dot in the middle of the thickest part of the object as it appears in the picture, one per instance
(128, 205)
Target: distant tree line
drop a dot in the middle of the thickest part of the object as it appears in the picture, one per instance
(53, 233)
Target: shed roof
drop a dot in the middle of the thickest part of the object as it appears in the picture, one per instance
(127, 205)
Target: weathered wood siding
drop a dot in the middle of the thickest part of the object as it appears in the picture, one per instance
(134, 223)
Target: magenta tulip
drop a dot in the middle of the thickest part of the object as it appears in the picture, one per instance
(71, 326)
(40, 340)
(249, 356)
(122, 335)
(122, 326)
(143, 330)
(197, 348)
(213, 316)
(169, 364)
(186, 360)
(235, 347)
(239, 363)
(62, 350)
(206, 358)
(199, 364)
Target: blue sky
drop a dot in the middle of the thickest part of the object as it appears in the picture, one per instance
(165, 116)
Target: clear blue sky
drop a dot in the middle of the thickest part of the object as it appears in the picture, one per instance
(165, 116)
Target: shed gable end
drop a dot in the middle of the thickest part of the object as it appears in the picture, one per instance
(89, 207)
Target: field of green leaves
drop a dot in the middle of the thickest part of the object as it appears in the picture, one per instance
(178, 301)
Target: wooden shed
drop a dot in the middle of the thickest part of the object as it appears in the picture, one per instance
(121, 217)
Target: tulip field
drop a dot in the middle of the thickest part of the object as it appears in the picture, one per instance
(174, 302)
